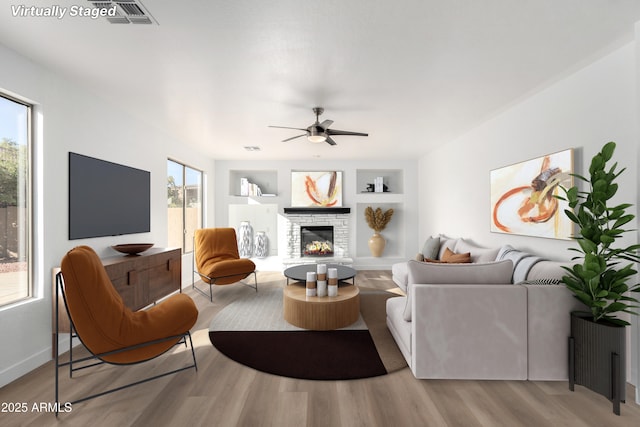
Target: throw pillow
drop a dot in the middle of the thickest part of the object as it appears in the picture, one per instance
(478, 253)
(446, 242)
(453, 258)
(431, 247)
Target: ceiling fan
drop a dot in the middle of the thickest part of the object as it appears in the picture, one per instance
(320, 132)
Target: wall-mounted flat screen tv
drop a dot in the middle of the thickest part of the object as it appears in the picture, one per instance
(107, 199)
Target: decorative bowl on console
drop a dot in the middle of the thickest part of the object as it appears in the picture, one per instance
(132, 248)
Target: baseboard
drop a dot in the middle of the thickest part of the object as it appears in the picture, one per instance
(18, 370)
(25, 366)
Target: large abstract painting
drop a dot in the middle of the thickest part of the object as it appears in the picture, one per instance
(316, 189)
(522, 197)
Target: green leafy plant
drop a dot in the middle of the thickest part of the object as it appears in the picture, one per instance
(600, 281)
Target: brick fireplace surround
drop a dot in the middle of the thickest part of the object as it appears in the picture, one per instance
(317, 217)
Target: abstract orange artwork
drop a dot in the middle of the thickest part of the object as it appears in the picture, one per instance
(522, 197)
(316, 189)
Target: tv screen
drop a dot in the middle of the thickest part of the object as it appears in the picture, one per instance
(107, 199)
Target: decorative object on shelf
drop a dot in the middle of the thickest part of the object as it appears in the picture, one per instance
(245, 240)
(522, 197)
(371, 188)
(377, 221)
(316, 189)
(260, 244)
(378, 184)
(597, 355)
(132, 248)
(244, 187)
(248, 188)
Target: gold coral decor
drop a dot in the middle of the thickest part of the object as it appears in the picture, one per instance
(377, 220)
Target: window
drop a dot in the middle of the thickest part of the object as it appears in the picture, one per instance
(184, 202)
(15, 201)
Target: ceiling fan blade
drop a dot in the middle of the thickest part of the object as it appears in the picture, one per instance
(294, 137)
(345, 132)
(284, 127)
(330, 141)
(326, 124)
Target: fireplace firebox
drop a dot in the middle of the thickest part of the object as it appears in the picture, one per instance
(316, 241)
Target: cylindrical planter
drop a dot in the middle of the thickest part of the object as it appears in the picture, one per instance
(599, 357)
(245, 239)
(260, 244)
(376, 244)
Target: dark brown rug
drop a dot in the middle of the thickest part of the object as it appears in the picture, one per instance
(252, 332)
(311, 355)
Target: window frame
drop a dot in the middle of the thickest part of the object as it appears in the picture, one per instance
(29, 201)
(184, 166)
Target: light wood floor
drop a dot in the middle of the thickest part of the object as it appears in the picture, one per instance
(224, 393)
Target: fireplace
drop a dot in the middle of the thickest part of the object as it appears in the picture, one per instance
(316, 241)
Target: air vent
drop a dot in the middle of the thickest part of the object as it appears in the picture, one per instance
(127, 11)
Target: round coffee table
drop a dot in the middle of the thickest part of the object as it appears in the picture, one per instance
(321, 313)
(299, 272)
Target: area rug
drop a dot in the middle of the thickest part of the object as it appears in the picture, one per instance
(253, 332)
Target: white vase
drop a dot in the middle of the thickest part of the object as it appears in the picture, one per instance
(245, 239)
(260, 248)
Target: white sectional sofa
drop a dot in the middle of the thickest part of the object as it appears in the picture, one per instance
(502, 316)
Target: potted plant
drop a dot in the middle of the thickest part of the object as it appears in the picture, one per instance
(600, 281)
(377, 221)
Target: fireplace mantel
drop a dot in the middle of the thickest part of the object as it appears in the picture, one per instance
(317, 211)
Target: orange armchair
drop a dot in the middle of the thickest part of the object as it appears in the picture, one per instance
(110, 330)
(217, 261)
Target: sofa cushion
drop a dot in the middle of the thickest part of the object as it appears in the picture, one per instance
(478, 253)
(548, 270)
(431, 248)
(400, 275)
(399, 328)
(495, 272)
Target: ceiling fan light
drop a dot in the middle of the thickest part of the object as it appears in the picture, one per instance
(315, 136)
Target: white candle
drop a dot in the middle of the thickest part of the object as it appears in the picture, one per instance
(322, 288)
(311, 284)
(332, 273)
(322, 271)
(333, 290)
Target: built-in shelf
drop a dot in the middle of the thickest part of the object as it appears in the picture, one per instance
(392, 178)
(393, 233)
(267, 180)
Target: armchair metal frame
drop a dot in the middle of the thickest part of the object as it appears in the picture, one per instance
(98, 358)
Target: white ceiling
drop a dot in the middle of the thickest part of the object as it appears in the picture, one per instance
(413, 74)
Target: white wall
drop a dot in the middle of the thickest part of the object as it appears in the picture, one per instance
(595, 105)
(73, 119)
